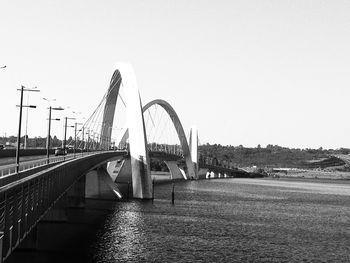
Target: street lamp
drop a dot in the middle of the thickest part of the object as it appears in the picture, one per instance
(65, 132)
(48, 132)
(3, 67)
(83, 140)
(75, 136)
(88, 140)
(20, 123)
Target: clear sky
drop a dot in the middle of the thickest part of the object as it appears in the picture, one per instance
(245, 72)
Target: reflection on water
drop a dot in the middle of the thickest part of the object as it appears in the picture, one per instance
(123, 230)
(229, 221)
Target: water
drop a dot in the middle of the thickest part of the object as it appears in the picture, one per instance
(218, 220)
(230, 220)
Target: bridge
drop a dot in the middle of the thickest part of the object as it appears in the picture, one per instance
(100, 166)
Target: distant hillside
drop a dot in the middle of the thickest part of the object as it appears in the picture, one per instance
(271, 156)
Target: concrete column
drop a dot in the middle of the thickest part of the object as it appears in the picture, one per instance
(212, 174)
(99, 185)
(191, 169)
(120, 172)
(203, 173)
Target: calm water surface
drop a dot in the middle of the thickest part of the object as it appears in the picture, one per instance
(230, 220)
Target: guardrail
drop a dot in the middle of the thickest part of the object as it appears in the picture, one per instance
(10, 169)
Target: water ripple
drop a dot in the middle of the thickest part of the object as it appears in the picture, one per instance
(229, 221)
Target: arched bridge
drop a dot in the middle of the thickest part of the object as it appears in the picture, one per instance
(27, 196)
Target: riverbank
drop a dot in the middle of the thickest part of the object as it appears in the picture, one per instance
(312, 174)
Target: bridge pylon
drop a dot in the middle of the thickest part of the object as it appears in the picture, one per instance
(140, 168)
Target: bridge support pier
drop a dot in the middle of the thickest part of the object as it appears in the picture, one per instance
(175, 170)
(203, 173)
(121, 174)
(99, 185)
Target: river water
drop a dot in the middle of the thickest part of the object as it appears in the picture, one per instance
(231, 220)
(218, 220)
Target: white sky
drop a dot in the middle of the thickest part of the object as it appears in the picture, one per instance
(245, 72)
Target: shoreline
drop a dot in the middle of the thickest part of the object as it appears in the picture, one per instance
(308, 179)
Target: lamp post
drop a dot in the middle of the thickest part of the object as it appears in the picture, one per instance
(48, 132)
(20, 123)
(75, 130)
(83, 145)
(65, 132)
(88, 140)
(75, 136)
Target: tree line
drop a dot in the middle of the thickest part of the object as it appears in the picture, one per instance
(36, 142)
(270, 156)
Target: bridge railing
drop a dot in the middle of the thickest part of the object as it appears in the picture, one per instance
(24, 202)
(170, 149)
(213, 161)
(10, 169)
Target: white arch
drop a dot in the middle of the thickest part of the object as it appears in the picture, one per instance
(140, 169)
(193, 144)
(191, 170)
(191, 166)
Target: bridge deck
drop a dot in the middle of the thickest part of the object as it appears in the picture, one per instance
(26, 199)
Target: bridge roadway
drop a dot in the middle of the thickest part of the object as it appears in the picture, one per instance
(12, 160)
(8, 165)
